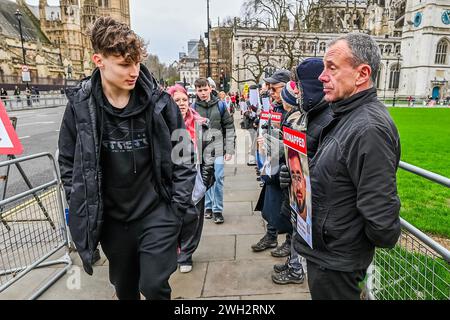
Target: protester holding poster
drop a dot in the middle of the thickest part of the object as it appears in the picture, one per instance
(271, 196)
(310, 91)
(300, 190)
(355, 205)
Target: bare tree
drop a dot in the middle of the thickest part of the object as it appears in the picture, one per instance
(258, 60)
(294, 19)
(160, 70)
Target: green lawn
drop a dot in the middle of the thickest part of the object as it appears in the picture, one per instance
(425, 139)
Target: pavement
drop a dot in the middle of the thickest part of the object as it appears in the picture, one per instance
(224, 266)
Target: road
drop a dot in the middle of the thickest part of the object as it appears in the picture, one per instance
(38, 131)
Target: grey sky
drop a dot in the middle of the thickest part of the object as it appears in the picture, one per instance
(169, 24)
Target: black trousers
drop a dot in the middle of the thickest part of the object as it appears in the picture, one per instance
(325, 284)
(190, 236)
(142, 254)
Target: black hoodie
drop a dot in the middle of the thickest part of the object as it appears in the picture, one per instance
(81, 168)
(128, 183)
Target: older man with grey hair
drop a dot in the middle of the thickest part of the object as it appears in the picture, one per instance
(353, 174)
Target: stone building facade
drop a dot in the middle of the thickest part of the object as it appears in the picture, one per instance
(413, 36)
(55, 37)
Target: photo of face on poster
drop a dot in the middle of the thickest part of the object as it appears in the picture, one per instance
(300, 189)
(299, 186)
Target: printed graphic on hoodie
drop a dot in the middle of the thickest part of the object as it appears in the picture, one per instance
(125, 137)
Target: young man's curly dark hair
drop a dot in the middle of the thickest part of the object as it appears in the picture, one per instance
(111, 37)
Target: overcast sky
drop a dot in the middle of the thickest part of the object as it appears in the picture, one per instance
(169, 24)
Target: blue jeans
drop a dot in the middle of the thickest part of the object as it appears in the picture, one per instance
(214, 196)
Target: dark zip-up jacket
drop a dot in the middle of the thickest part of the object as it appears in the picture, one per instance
(79, 160)
(224, 124)
(355, 206)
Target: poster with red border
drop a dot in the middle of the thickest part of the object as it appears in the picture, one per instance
(276, 119)
(300, 189)
(9, 141)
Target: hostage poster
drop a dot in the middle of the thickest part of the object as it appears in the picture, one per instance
(300, 190)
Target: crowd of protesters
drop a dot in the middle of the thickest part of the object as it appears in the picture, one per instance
(353, 153)
(143, 194)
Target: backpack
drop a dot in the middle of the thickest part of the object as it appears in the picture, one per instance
(221, 105)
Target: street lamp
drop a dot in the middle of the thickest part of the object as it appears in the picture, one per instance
(385, 80)
(19, 18)
(209, 40)
(316, 39)
(238, 74)
(397, 78)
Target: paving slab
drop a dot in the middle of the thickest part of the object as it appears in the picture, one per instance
(234, 225)
(78, 285)
(237, 209)
(215, 248)
(188, 285)
(25, 287)
(238, 195)
(245, 278)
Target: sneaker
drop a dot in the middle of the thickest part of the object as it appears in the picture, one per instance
(218, 218)
(289, 276)
(185, 268)
(208, 214)
(282, 251)
(278, 268)
(265, 243)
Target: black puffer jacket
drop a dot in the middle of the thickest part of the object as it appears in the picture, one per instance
(79, 160)
(353, 181)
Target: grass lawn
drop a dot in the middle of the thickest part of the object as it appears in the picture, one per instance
(425, 140)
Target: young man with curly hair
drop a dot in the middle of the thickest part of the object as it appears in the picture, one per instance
(123, 188)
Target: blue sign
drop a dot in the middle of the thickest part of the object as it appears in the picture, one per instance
(446, 17)
(418, 19)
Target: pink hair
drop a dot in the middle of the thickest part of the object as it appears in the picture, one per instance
(176, 88)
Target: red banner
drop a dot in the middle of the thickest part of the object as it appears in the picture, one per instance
(295, 140)
(265, 116)
(276, 117)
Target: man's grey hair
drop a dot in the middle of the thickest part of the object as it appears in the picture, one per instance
(364, 49)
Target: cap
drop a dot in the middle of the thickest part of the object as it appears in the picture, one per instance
(279, 76)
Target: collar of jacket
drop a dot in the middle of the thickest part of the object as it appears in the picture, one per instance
(347, 105)
(208, 104)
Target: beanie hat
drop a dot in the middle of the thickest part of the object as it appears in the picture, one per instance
(310, 86)
(288, 95)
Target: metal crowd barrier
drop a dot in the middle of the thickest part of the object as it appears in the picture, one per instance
(32, 231)
(418, 268)
(22, 102)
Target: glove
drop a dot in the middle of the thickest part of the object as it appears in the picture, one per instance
(207, 172)
(285, 177)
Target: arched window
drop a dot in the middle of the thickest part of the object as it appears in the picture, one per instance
(311, 46)
(302, 46)
(247, 44)
(397, 49)
(381, 49)
(441, 52)
(388, 49)
(322, 47)
(270, 45)
(394, 77)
